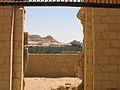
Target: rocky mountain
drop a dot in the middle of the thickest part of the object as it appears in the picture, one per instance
(75, 43)
(49, 40)
(45, 41)
(35, 38)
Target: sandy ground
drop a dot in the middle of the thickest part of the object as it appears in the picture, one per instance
(48, 83)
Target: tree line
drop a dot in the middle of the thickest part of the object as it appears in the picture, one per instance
(53, 49)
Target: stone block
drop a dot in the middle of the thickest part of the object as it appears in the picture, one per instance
(1, 28)
(5, 77)
(110, 68)
(100, 12)
(89, 25)
(102, 76)
(115, 43)
(89, 45)
(110, 51)
(115, 76)
(17, 82)
(110, 19)
(17, 59)
(89, 60)
(98, 84)
(89, 30)
(102, 60)
(5, 20)
(115, 60)
(1, 44)
(110, 35)
(5, 36)
(89, 82)
(1, 12)
(89, 88)
(101, 27)
(18, 37)
(19, 29)
(89, 14)
(8, 12)
(118, 36)
(5, 7)
(7, 28)
(89, 37)
(98, 36)
(4, 84)
(114, 12)
(119, 68)
(18, 74)
(102, 43)
(18, 44)
(2, 61)
(6, 51)
(89, 67)
(7, 60)
(118, 84)
(5, 69)
(90, 52)
(99, 89)
(97, 20)
(19, 22)
(109, 84)
(17, 67)
(98, 51)
(89, 75)
(114, 27)
(7, 44)
(98, 68)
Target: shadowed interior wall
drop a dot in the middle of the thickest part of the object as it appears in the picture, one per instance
(52, 65)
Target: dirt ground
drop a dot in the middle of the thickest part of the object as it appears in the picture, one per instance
(49, 83)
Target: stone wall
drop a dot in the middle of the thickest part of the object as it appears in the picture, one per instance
(101, 48)
(6, 52)
(11, 28)
(52, 65)
(106, 24)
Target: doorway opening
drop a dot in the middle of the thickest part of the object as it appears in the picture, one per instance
(54, 46)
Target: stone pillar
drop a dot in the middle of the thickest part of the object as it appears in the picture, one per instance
(86, 13)
(18, 49)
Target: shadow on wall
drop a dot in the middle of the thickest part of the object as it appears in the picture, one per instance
(52, 65)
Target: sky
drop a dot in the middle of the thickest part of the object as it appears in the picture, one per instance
(59, 22)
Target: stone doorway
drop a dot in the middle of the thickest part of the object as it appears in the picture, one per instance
(47, 79)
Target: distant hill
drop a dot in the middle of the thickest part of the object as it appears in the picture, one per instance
(45, 41)
(48, 41)
(75, 43)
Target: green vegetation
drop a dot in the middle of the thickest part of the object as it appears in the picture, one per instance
(52, 49)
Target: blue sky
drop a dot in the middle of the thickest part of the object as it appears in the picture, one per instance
(60, 22)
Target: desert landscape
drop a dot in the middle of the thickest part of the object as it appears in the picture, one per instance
(48, 40)
(51, 71)
(38, 83)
